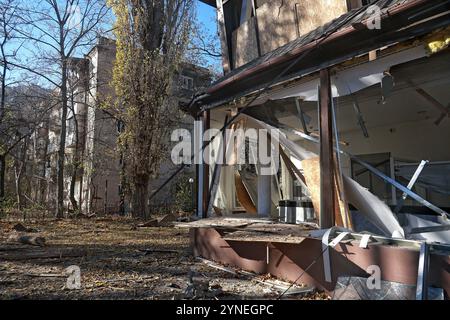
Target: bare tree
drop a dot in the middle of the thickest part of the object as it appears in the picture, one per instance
(57, 30)
(8, 22)
(204, 48)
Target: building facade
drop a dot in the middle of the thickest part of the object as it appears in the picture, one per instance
(93, 164)
(384, 80)
(354, 95)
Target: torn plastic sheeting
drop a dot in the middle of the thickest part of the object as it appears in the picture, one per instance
(349, 80)
(417, 222)
(375, 210)
(356, 288)
(326, 244)
(296, 150)
(385, 178)
(368, 204)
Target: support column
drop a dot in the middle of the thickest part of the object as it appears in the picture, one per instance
(326, 219)
(198, 160)
(264, 195)
(264, 182)
(202, 168)
(205, 196)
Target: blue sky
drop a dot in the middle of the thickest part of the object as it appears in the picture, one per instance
(207, 15)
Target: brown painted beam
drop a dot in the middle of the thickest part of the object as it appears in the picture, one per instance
(288, 261)
(206, 118)
(326, 218)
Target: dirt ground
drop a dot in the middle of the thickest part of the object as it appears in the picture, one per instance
(117, 260)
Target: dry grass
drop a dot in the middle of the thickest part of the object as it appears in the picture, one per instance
(113, 263)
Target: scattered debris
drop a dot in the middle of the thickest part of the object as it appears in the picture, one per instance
(148, 224)
(49, 253)
(274, 284)
(26, 239)
(148, 251)
(21, 228)
(286, 288)
(113, 264)
(166, 220)
(357, 288)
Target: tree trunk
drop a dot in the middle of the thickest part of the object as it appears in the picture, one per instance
(75, 161)
(62, 143)
(20, 167)
(72, 189)
(3, 81)
(140, 198)
(2, 180)
(2, 113)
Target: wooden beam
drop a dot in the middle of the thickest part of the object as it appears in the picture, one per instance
(205, 167)
(327, 209)
(223, 37)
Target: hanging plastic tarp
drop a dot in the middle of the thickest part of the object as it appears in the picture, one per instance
(373, 209)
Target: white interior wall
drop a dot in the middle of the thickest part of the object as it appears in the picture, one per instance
(403, 125)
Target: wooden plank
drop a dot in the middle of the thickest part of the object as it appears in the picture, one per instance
(43, 254)
(282, 21)
(223, 37)
(244, 43)
(312, 173)
(327, 205)
(243, 195)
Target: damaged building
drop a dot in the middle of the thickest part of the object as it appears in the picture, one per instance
(93, 182)
(354, 96)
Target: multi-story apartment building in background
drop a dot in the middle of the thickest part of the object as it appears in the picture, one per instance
(92, 131)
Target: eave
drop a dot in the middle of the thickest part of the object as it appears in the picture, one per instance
(400, 23)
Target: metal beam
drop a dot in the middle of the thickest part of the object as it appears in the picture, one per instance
(400, 186)
(381, 175)
(301, 115)
(258, 41)
(410, 185)
(198, 143)
(445, 227)
(422, 273)
(326, 219)
(205, 167)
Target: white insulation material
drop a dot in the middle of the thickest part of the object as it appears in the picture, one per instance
(369, 205)
(417, 222)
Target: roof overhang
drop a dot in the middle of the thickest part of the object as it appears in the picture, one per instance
(400, 23)
(209, 2)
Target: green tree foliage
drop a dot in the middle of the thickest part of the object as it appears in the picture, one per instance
(152, 36)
